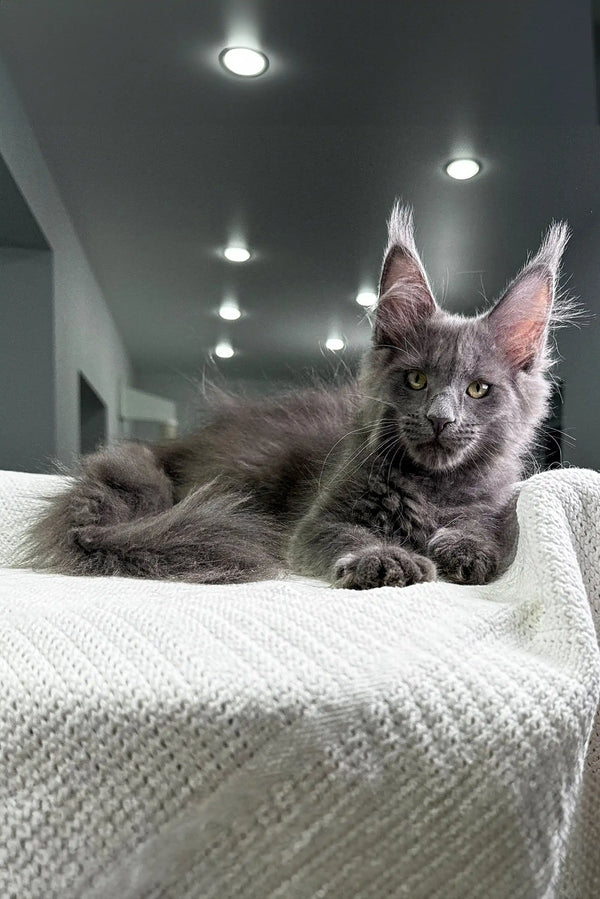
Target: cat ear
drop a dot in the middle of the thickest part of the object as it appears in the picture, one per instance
(521, 318)
(405, 297)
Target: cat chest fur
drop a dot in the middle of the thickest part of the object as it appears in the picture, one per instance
(397, 507)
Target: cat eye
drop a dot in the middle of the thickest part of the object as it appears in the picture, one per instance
(477, 389)
(416, 379)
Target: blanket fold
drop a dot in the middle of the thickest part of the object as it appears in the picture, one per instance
(283, 739)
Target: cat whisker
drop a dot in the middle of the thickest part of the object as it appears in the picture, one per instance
(569, 437)
(365, 396)
(360, 463)
(384, 450)
(363, 429)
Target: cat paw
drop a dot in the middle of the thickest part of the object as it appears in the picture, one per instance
(382, 566)
(462, 558)
(86, 507)
(88, 537)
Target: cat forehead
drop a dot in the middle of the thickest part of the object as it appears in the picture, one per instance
(450, 342)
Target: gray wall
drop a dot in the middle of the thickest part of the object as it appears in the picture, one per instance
(27, 397)
(184, 388)
(579, 348)
(85, 335)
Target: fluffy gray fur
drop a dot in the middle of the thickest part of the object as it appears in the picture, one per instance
(369, 484)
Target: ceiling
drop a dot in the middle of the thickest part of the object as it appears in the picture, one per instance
(162, 158)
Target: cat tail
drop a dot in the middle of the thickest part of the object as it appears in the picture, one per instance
(118, 517)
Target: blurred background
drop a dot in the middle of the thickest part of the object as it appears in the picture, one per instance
(131, 158)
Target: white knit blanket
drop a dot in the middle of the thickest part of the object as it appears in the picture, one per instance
(284, 739)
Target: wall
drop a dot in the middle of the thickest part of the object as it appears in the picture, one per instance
(185, 388)
(85, 335)
(27, 408)
(580, 353)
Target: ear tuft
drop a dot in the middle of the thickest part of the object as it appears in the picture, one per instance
(552, 248)
(401, 229)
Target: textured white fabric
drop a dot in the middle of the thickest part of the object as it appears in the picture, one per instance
(283, 739)
(21, 498)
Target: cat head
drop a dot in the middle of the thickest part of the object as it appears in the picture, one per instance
(455, 390)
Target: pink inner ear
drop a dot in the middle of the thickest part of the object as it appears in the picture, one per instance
(524, 342)
(404, 296)
(401, 267)
(521, 316)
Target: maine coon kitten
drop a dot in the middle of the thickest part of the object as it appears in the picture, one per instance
(403, 474)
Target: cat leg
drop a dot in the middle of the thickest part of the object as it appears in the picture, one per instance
(463, 557)
(354, 557)
(383, 565)
(477, 549)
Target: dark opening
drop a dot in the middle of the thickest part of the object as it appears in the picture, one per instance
(551, 436)
(92, 417)
(18, 226)
(596, 32)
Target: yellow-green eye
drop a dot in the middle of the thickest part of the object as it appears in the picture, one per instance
(477, 389)
(416, 379)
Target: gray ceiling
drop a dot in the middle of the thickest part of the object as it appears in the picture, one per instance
(160, 156)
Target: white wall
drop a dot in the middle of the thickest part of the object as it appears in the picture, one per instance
(86, 337)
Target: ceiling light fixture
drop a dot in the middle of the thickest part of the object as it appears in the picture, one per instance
(244, 62)
(230, 311)
(236, 254)
(224, 350)
(463, 169)
(334, 343)
(366, 298)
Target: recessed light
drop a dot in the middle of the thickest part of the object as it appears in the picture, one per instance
(244, 61)
(334, 343)
(230, 311)
(224, 350)
(462, 169)
(236, 254)
(366, 298)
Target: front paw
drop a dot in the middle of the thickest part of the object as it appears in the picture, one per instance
(463, 558)
(382, 566)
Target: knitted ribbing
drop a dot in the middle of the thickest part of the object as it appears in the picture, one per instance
(283, 739)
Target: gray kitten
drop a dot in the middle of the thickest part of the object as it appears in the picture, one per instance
(402, 474)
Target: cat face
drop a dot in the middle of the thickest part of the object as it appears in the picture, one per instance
(454, 390)
(451, 397)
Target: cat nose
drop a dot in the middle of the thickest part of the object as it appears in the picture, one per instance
(438, 423)
(441, 412)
